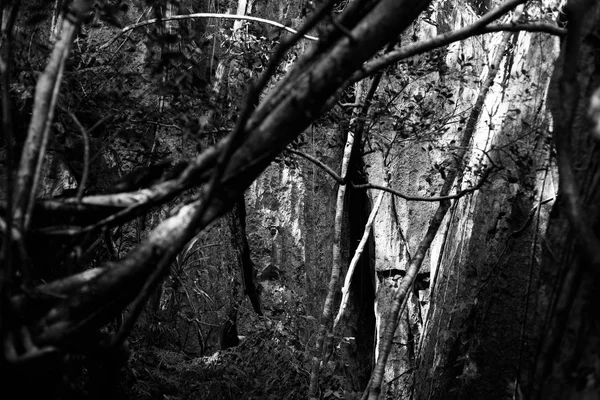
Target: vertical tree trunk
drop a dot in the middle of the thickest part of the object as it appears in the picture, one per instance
(569, 323)
(242, 275)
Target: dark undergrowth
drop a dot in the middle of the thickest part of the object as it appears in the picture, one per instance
(263, 366)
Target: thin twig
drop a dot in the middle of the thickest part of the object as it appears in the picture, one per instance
(320, 164)
(458, 195)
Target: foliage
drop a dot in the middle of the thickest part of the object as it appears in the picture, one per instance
(264, 366)
(159, 99)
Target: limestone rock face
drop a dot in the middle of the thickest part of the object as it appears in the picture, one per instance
(290, 221)
(477, 273)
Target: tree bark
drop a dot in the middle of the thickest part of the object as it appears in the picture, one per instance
(566, 364)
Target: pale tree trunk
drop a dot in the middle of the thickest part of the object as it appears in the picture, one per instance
(355, 258)
(326, 327)
(57, 20)
(478, 326)
(241, 10)
(457, 168)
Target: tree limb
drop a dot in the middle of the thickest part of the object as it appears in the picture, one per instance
(46, 94)
(477, 28)
(416, 261)
(355, 258)
(202, 15)
(341, 181)
(266, 134)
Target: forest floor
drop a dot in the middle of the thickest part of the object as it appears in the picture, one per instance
(259, 368)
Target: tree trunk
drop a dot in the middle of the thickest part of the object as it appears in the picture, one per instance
(569, 324)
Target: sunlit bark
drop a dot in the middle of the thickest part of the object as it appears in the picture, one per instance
(326, 325)
(416, 261)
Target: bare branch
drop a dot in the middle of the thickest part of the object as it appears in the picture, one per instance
(341, 181)
(528, 27)
(270, 129)
(355, 258)
(203, 15)
(319, 163)
(458, 195)
(479, 27)
(46, 94)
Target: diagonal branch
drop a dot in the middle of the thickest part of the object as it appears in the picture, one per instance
(400, 295)
(95, 298)
(46, 94)
(355, 258)
(477, 28)
(341, 181)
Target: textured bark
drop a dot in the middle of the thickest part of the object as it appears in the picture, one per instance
(456, 171)
(355, 258)
(47, 90)
(566, 365)
(323, 345)
(358, 325)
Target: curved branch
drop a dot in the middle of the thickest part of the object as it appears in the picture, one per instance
(406, 197)
(458, 195)
(319, 163)
(202, 15)
(477, 28)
